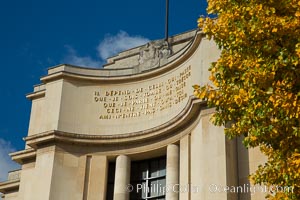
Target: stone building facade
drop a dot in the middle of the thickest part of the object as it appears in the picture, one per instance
(132, 130)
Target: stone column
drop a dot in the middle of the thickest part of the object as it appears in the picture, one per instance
(97, 178)
(184, 167)
(172, 178)
(122, 178)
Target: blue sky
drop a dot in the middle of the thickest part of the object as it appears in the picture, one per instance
(37, 34)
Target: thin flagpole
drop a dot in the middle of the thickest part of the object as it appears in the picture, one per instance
(167, 21)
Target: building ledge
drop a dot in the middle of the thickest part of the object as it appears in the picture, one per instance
(37, 94)
(23, 156)
(9, 186)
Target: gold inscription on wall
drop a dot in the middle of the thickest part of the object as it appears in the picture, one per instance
(142, 101)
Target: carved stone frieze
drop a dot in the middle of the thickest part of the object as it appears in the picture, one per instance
(153, 55)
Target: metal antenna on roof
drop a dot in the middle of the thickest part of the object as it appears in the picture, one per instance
(167, 21)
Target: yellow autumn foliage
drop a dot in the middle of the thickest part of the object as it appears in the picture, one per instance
(255, 84)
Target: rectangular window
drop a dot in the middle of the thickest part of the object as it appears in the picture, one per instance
(148, 178)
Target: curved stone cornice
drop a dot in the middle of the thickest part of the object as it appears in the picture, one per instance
(121, 75)
(182, 124)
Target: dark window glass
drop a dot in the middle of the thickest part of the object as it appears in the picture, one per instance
(149, 179)
(110, 181)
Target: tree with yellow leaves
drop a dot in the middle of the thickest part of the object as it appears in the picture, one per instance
(256, 82)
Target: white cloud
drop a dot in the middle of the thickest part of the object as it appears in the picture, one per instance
(113, 44)
(6, 164)
(109, 46)
(84, 61)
